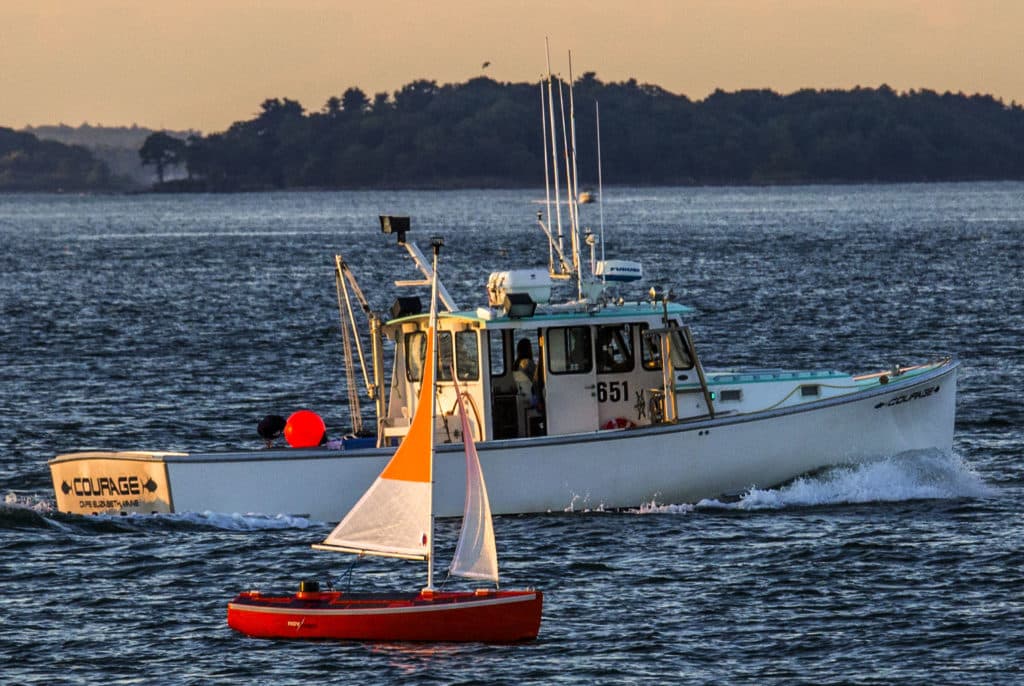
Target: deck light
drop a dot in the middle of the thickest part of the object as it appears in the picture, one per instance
(396, 225)
(518, 305)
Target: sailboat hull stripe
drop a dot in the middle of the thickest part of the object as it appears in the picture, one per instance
(414, 607)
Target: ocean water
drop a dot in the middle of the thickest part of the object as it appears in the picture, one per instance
(176, 322)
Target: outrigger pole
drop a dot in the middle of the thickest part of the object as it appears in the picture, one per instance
(342, 273)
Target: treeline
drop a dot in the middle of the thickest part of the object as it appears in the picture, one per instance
(117, 146)
(486, 133)
(29, 164)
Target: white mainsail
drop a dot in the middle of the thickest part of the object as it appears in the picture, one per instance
(393, 518)
(476, 555)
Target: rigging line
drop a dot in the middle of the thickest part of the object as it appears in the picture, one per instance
(342, 267)
(354, 410)
(346, 576)
(547, 180)
(575, 169)
(554, 149)
(600, 181)
(573, 222)
(353, 395)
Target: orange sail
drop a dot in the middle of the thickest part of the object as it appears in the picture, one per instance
(392, 519)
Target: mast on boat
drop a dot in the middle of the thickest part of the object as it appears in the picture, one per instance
(435, 242)
(600, 181)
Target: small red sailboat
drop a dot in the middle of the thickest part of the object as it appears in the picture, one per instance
(394, 518)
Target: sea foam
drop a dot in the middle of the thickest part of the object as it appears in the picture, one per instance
(912, 476)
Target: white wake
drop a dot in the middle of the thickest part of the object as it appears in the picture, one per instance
(919, 476)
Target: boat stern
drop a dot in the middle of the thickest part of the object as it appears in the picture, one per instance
(112, 483)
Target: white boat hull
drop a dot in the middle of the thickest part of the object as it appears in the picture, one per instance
(675, 463)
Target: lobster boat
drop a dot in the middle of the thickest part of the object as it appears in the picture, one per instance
(582, 390)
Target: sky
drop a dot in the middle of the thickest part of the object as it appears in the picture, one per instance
(203, 64)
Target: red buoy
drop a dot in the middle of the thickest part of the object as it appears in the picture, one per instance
(304, 429)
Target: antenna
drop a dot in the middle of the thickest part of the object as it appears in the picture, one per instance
(547, 180)
(575, 178)
(600, 184)
(554, 150)
(568, 175)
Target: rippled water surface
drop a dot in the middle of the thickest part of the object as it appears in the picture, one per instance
(177, 322)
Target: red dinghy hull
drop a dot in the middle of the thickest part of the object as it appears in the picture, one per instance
(482, 616)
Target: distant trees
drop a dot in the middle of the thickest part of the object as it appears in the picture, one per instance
(486, 133)
(161, 151)
(29, 164)
(354, 101)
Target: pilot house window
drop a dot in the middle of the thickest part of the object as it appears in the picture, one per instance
(651, 351)
(614, 349)
(467, 356)
(569, 350)
(416, 353)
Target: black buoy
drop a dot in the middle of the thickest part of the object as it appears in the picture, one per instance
(270, 428)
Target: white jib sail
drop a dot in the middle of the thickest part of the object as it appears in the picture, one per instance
(393, 517)
(476, 555)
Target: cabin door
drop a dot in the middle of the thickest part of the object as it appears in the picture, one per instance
(570, 380)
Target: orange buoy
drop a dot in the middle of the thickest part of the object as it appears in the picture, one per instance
(304, 429)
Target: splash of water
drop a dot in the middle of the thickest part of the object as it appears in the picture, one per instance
(239, 522)
(18, 506)
(911, 476)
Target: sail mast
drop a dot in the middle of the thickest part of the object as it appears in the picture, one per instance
(600, 181)
(435, 242)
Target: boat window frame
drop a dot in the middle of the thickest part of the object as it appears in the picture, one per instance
(445, 356)
(496, 353)
(414, 362)
(471, 373)
(679, 347)
(650, 351)
(625, 336)
(550, 339)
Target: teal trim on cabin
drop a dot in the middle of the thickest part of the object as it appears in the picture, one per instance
(547, 317)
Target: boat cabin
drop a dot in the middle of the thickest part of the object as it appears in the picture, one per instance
(530, 368)
(562, 370)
